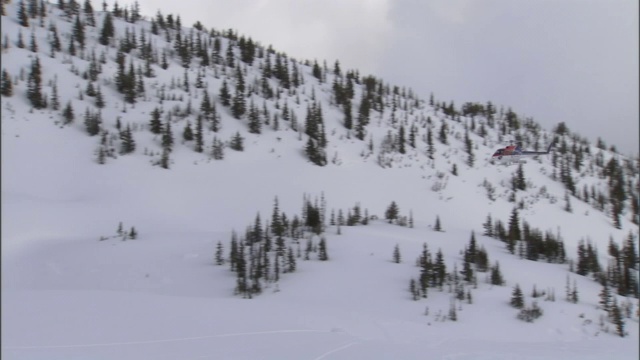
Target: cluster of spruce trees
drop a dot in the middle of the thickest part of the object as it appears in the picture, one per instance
(433, 273)
(530, 243)
(266, 252)
(621, 271)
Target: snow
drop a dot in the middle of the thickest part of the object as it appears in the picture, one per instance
(68, 295)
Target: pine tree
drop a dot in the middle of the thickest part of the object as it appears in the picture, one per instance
(488, 227)
(56, 45)
(133, 234)
(20, 42)
(453, 315)
(573, 295)
(33, 44)
(413, 289)
(7, 84)
(255, 124)
(396, 254)
(514, 234)
(437, 226)
(92, 123)
(217, 149)
(605, 297)
(468, 143)
(167, 136)
(34, 85)
(392, 212)
(617, 318)
(521, 183)
(128, 144)
(322, 250)
(187, 133)
(496, 275)
(291, 260)
(78, 32)
(88, 13)
(442, 136)
(99, 99)
(517, 299)
(165, 160)
(219, 257)
(68, 114)
(23, 16)
(155, 125)
(107, 31)
(199, 136)
(430, 147)
(225, 96)
(237, 142)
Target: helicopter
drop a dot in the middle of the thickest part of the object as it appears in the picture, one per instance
(515, 154)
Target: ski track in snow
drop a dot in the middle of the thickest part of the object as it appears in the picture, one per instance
(340, 348)
(161, 340)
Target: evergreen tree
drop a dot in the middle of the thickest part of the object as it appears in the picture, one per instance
(430, 147)
(92, 122)
(573, 295)
(237, 142)
(363, 117)
(20, 42)
(217, 149)
(34, 85)
(167, 136)
(496, 275)
(23, 16)
(239, 105)
(56, 45)
(617, 318)
(605, 297)
(68, 114)
(488, 226)
(88, 13)
(453, 316)
(107, 31)
(33, 44)
(199, 135)
(392, 212)
(413, 289)
(517, 299)
(225, 96)
(401, 140)
(128, 144)
(322, 250)
(155, 125)
(396, 254)
(7, 84)
(99, 99)
(437, 226)
(187, 133)
(469, 149)
(514, 230)
(255, 124)
(439, 269)
(442, 136)
(219, 257)
(521, 183)
(78, 32)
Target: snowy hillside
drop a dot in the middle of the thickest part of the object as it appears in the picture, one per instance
(237, 201)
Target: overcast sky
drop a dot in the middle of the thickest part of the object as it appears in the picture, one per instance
(554, 60)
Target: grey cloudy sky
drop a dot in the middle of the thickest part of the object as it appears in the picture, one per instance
(554, 60)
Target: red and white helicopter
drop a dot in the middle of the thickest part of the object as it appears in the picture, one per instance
(514, 154)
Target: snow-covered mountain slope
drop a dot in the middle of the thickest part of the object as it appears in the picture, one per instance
(72, 288)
